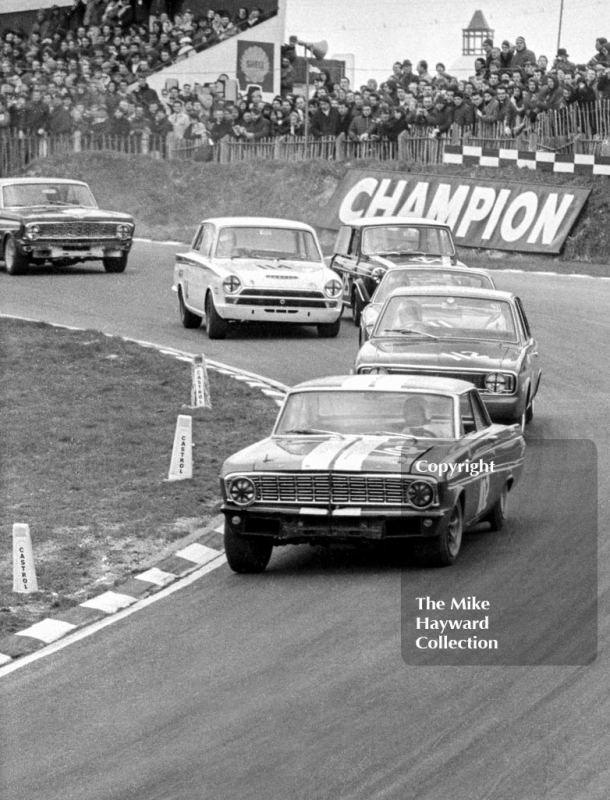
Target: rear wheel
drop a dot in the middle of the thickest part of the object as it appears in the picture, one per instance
(216, 326)
(328, 330)
(115, 263)
(16, 263)
(189, 320)
(497, 515)
(443, 550)
(246, 554)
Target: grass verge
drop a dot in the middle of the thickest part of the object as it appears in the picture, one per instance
(86, 442)
(169, 198)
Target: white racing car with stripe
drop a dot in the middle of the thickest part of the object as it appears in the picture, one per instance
(256, 269)
(371, 457)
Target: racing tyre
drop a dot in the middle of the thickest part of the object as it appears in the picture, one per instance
(529, 412)
(357, 307)
(246, 554)
(188, 319)
(520, 421)
(497, 515)
(443, 550)
(115, 264)
(216, 326)
(328, 330)
(16, 263)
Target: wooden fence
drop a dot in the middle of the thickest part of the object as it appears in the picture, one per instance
(569, 130)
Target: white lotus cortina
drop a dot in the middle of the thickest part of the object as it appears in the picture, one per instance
(255, 269)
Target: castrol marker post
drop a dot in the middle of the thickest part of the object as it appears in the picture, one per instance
(24, 572)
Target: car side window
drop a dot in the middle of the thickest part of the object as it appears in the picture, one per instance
(523, 317)
(197, 239)
(207, 237)
(481, 417)
(354, 247)
(343, 240)
(466, 415)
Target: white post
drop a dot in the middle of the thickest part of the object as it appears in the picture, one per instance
(181, 466)
(200, 392)
(24, 572)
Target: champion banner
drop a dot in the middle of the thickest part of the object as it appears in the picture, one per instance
(495, 214)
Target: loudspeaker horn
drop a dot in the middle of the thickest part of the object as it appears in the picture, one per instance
(318, 49)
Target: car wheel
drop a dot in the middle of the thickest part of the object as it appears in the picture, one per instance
(328, 330)
(443, 550)
(16, 263)
(188, 319)
(246, 554)
(497, 515)
(115, 264)
(529, 411)
(216, 326)
(520, 421)
(357, 308)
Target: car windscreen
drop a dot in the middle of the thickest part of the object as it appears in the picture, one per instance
(43, 194)
(398, 279)
(406, 240)
(365, 412)
(262, 242)
(447, 317)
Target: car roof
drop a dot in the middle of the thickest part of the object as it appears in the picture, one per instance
(372, 221)
(17, 181)
(455, 291)
(387, 383)
(256, 222)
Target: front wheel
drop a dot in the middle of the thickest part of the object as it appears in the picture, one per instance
(115, 263)
(328, 330)
(16, 262)
(216, 326)
(188, 319)
(443, 550)
(529, 411)
(246, 554)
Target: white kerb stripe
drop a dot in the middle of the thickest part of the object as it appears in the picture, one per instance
(48, 630)
(109, 602)
(198, 553)
(156, 576)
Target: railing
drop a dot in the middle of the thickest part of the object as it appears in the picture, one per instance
(570, 130)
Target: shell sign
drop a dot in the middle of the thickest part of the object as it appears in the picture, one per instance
(255, 65)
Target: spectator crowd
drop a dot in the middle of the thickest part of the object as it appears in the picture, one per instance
(86, 68)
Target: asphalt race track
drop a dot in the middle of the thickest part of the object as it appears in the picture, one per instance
(297, 683)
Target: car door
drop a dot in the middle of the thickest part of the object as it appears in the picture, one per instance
(531, 369)
(197, 274)
(489, 449)
(345, 259)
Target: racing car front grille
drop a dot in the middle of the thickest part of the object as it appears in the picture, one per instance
(77, 230)
(336, 489)
(279, 297)
(476, 378)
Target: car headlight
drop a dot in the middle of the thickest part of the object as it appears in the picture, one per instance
(242, 491)
(231, 284)
(123, 231)
(32, 231)
(420, 494)
(379, 371)
(378, 273)
(499, 382)
(333, 288)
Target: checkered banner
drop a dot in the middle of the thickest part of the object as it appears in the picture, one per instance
(573, 164)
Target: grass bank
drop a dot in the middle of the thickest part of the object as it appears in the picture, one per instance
(87, 435)
(168, 199)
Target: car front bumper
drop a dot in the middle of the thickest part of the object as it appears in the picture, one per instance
(281, 313)
(71, 249)
(293, 525)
